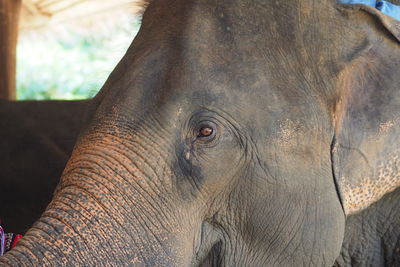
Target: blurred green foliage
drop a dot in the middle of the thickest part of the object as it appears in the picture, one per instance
(72, 65)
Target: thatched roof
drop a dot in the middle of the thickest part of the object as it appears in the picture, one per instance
(43, 13)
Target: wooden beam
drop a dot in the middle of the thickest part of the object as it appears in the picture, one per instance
(9, 19)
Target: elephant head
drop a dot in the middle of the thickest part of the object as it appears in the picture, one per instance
(217, 141)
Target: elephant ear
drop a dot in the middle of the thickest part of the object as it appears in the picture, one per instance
(366, 146)
(387, 13)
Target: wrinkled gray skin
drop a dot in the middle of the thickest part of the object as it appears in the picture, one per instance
(270, 79)
(372, 236)
(37, 138)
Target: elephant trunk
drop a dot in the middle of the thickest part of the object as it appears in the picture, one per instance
(110, 207)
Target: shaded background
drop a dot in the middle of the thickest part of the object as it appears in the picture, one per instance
(67, 48)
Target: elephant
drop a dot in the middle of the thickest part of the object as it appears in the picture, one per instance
(236, 133)
(37, 141)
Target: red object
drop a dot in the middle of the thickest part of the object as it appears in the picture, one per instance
(15, 241)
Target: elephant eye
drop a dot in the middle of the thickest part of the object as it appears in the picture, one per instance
(206, 131)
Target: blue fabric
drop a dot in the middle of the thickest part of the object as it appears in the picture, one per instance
(384, 6)
(365, 2)
(389, 9)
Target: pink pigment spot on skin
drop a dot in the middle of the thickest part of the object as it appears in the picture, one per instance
(385, 127)
(288, 130)
(370, 190)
